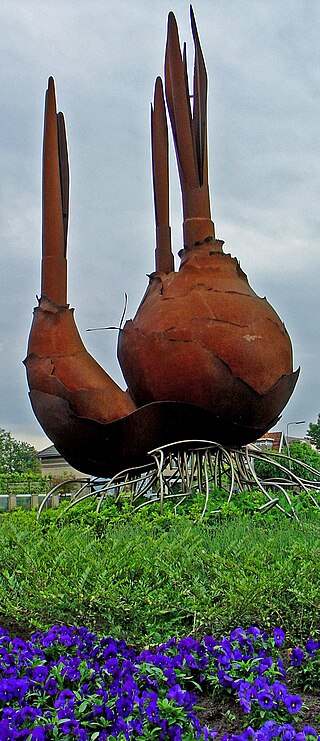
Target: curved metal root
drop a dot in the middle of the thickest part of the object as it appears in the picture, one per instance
(186, 467)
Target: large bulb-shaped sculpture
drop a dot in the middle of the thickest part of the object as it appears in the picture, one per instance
(204, 357)
(218, 344)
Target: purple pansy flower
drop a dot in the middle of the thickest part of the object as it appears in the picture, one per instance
(293, 703)
(278, 637)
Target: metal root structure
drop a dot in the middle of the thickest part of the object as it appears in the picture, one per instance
(181, 469)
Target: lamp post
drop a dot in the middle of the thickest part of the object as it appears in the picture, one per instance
(301, 422)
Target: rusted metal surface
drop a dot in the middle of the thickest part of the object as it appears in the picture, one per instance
(204, 356)
(58, 362)
(202, 335)
(189, 130)
(160, 169)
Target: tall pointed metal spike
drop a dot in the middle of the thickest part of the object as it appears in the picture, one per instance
(185, 67)
(52, 207)
(180, 104)
(199, 102)
(160, 169)
(54, 269)
(169, 97)
(64, 175)
(160, 156)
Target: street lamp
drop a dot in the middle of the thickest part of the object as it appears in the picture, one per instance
(302, 422)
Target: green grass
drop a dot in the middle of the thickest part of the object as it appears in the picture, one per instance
(147, 577)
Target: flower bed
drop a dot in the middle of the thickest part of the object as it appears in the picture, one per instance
(70, 684)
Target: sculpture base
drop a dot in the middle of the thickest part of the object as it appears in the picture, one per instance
(178, 470)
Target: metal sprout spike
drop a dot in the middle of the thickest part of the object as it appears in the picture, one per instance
(54, 203)
(160, 170)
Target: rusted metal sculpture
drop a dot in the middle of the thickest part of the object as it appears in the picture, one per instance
(204, 357)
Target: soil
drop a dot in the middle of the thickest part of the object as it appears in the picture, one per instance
(225, 716)
(16, 629)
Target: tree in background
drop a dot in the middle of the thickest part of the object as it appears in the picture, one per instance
(305, 453)
(17, 457)
(313, 433)
(300, 451)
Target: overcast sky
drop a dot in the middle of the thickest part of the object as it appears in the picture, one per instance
(263, 61)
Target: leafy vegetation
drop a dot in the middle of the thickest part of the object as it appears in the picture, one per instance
(298, 452)
(150, 577)
(20, 483)
(313, 432)
(17, 456)
(146, 577)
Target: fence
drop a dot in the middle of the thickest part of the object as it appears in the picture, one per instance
(30, 493)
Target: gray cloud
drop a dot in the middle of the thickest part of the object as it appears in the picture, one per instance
(264, 115)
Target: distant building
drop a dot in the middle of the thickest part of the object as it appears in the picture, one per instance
(278, 442)
(53, 464)
(272, 441)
